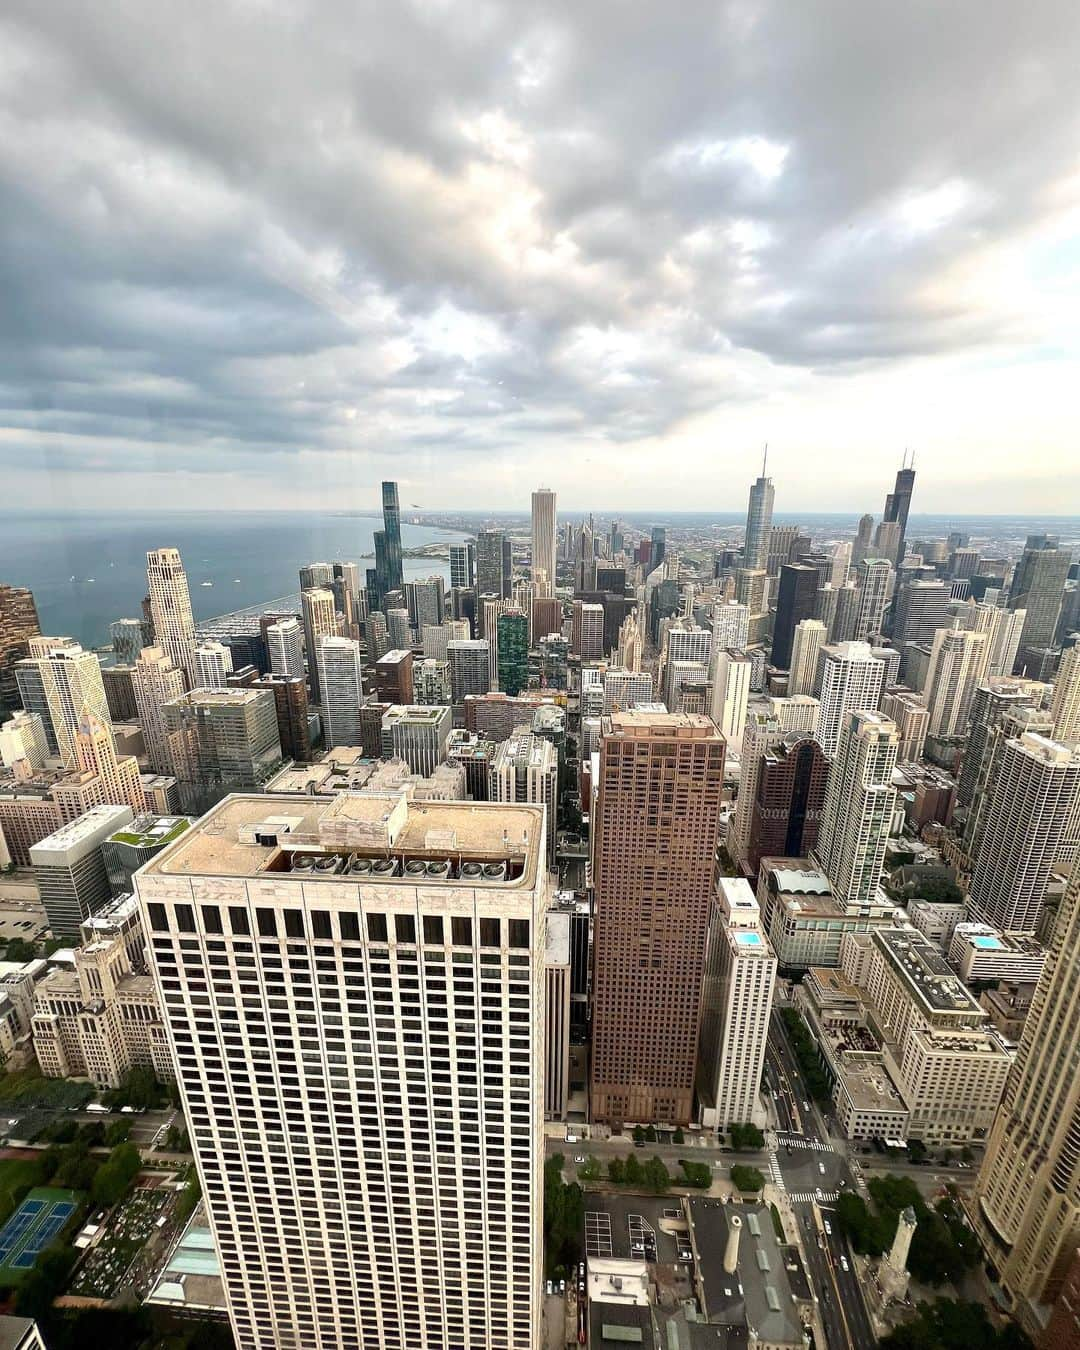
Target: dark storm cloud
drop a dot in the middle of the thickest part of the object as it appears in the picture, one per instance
(239, 228)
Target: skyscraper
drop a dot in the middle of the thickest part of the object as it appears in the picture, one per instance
(730, 624)
(526, 769)
(809, 639)
(994, 697)
(342, 689)
(1065, 709)
(18, 624)
(732, 673)
(544, 533)
(371, 1153)
(285, 647)
(59, 681)
(212, 665)
(957, 666)
(463, 565)
(857, 815)
(861, 547)
(1031, 806)
(95, 753)
(796, 599)
(513, 645)
(740, 975)
(291, 710)
(758, 524)
(170, 607)
(490, 577)
(155, 681)
(922, 607)
(221, 741)
(320, 620)
(469, 667)
(1027, 1194)
(897, 505)
(394, 677)
(317, 576)
(1038, 586)
(852, 678)
(392, 537)
(789, 797)
(657, 821)
(873, 578)
(762, 729)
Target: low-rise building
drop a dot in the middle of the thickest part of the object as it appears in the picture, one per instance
(69, 866)
(127, 849)
(980, 953)
(1007, 1006)
(102, 1019)
(805, 924)
(935, 920)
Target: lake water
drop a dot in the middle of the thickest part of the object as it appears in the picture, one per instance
(86, 571)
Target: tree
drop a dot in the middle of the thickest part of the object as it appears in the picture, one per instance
(616, 1171)
(650, 1135)
(139, 1088)
(20, 950)
(639, 1135)
(656, 1175)
(678, 1137)
(746, 1179)
(916, 1150)
(589, 1169)
(948, 1323)
(45, 1281)
(115, 1176)
(633, 1172)
(861, 1227)
(117, 1133)
(696, 1174)
(745, 1137)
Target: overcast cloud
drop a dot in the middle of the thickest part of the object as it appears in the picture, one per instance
(269, 252)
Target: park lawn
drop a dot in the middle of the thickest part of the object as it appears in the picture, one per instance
(14, 1173)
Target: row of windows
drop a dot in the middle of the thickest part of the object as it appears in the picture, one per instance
(349, 925)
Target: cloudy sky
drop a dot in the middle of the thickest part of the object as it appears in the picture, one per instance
(268, 252)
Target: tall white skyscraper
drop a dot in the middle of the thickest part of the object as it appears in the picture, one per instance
(625, 689)
(731, 625)
(957, 666)
(342, 689)
(285, 647)
(544, 534)
(155, 682)
(1021, 829)
(1002, 627)
(683, 641)
(852, 677)
(211, 666)
(355, 1006)
(1027, 1196)
(1065, 708)
(732, 672)
(58, 680)
(805, 651)
(857, 814)
(740, 975)
(170, 607)
(320, 620)
(758, 524)
(470, 667)
(874, 577)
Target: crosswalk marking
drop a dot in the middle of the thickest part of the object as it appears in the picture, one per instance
(776, 1175)
(805, 1197)
(799, 1141)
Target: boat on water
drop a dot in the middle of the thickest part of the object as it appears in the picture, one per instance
(206, 583)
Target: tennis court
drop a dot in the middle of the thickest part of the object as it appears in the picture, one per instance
(40, 1217)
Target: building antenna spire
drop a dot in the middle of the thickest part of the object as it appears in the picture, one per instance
(764, 458)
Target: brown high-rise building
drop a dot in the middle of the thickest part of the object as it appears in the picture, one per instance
(18, 624)
(1063, 1329)
(291, 706)
(394, 677)
(545, 617)
(657, 823)
(120, 692)
(784, 817)
(371, 716)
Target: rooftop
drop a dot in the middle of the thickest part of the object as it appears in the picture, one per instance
(643, 721)
(252, 834)
(97, 823)
(151, 831)
(925, 973)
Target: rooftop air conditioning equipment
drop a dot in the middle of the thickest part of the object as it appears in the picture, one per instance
(360, 866)
(439, 869)
(385, 867)
(304, 862)
(415, 867)
(471, 871)
(495, 871)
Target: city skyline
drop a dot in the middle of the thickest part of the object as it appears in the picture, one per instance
(769, 245)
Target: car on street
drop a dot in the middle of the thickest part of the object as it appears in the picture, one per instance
(844, 1263)
(579, 1159)
(821, 1168)
(806, 1106)
(828, 1227)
